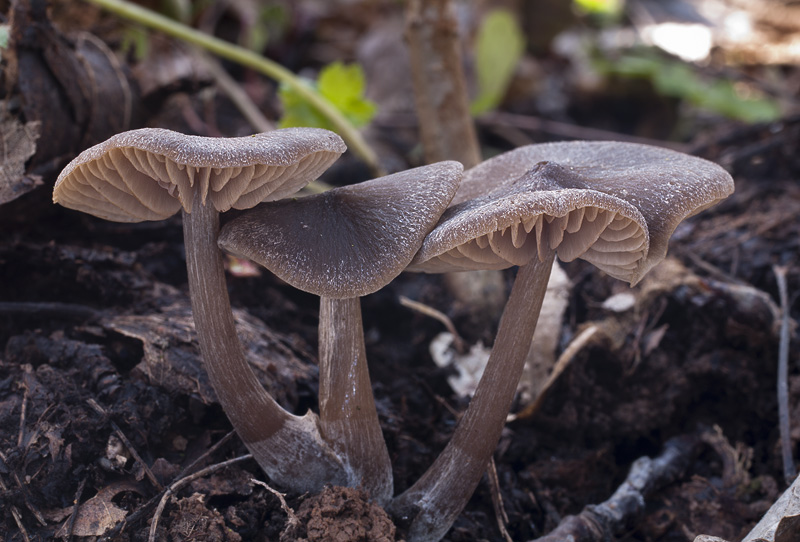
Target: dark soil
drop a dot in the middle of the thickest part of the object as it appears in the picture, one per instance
(104, 402)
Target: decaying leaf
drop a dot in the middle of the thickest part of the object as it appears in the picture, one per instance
(99, 514)
(781, 523)
(17, 144)
(172, 355)
(469, 366)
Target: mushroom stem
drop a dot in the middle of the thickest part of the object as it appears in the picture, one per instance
(348, 418)
(287, 447)
(436, 499)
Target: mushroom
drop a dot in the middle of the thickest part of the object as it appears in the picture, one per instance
(341, 245)
(150, 174)
(613, 204)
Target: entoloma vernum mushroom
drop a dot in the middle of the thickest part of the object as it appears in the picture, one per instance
(150, 174)
(340, 245)
(613, 204)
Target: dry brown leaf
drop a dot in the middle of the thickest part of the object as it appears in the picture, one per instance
(99, 514)
(17, 144)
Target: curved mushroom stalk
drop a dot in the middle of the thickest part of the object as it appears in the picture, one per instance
(348, 419)
(342, 244)
(437, 498)
(150, 174)
(287, 447)
(612, 204)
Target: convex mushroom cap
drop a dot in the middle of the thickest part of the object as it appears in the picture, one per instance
(613, 204)
(151, 173)
(349, 241)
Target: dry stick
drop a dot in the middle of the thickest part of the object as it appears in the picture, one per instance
(440, 92)
(497, 500)
(789, 470)
(145, 508)
(150, 476)
(427, 310)
(176, 486)
(563, 361)
(14, 509)
(598, 523)
(15, 513)
(293, 520)
(76, 503)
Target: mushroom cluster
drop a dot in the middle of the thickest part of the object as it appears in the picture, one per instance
(612, 204)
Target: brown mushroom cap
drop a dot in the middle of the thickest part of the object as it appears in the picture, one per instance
(349, 241)
(613, 204)
(126, 178)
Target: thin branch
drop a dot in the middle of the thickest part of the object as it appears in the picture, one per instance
(176, 486)
(427, 310)
(598, 523)
(76, 503)
(497, 500)
(577, 344)
(150, 476)
(240, 55)
(146, 507)
(293, 520)
(789, 469)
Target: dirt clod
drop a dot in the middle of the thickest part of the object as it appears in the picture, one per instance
(340, 514)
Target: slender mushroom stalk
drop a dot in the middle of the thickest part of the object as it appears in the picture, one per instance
(436, 499)
(341, 245)
(265, 427)
(348, 418)
(150, 174)
(613, 204)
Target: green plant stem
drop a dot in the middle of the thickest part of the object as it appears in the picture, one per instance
(234, 53)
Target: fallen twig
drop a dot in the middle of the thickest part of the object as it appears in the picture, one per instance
(146, 507)
(497, 500)
(427, 310)
(597, 523)
(789, 469)
(176, 486)
(575, 346)
(76, 503)
(292, 518)
(150, 476)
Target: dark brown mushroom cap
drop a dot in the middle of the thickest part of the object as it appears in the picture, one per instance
(349, 241)
(639, 192)
(150, 173)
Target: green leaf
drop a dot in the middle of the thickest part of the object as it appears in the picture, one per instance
(499, 46)
(342, 85)
(603, 8)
